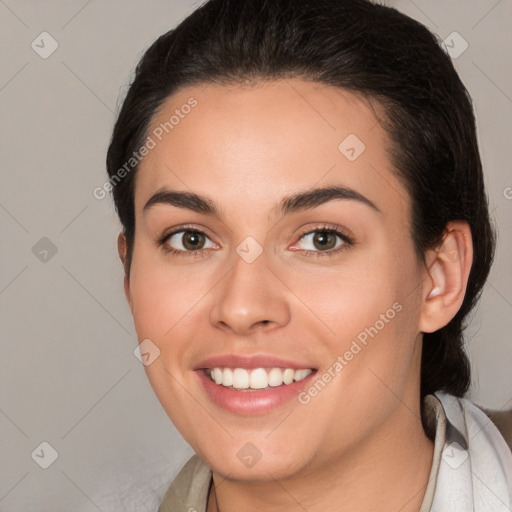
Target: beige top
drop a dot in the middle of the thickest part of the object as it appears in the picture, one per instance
(189, 491)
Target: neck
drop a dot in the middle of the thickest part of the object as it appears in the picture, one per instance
(388, 471)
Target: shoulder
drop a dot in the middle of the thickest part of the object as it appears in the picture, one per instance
(499, 421)
(503, 422)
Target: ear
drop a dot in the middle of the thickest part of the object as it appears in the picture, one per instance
(121, 249)
(448, 267)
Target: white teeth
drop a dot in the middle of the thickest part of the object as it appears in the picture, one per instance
(259, 378)
(275, 377)
(300, 374)
(240, 378)
(288, 375)
(217, 375)
(227, 377)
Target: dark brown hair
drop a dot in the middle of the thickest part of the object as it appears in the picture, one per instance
(364, 48)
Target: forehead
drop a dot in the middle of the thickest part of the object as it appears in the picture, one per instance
(250, 144)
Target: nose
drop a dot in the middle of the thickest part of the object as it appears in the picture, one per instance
(250, 297)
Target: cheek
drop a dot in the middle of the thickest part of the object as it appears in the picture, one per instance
(345, 299)
(367, 313)
(163, 295)
(384, 335)
(165, 314)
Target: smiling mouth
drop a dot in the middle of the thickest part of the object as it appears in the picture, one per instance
(257, 378)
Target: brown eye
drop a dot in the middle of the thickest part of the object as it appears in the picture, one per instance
(193, 240)
(188, 241)
(322, 240)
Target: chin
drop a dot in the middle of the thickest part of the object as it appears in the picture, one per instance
(262, 462)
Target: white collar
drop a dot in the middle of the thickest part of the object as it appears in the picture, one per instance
(475, 471)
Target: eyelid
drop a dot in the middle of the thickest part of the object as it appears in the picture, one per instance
(185, 227)
(323, 226)
(340, 232)
(162, 241)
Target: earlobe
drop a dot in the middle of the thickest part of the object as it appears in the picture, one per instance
(121, 249)
(448, 270)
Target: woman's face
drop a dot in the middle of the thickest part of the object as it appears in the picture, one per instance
(326, 283)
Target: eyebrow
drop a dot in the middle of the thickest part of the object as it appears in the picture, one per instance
(289, 204)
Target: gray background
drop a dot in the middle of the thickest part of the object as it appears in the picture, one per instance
(68, 375)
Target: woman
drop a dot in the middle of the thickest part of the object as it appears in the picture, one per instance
(305, 229)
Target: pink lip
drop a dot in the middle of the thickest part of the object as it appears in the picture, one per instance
(250, 362)
(251, 402)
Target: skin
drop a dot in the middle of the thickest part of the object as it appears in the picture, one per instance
(246, 147)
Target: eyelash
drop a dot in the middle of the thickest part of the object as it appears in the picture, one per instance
(326, 228)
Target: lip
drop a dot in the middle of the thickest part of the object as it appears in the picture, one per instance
(250, 362)
(252, 402)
